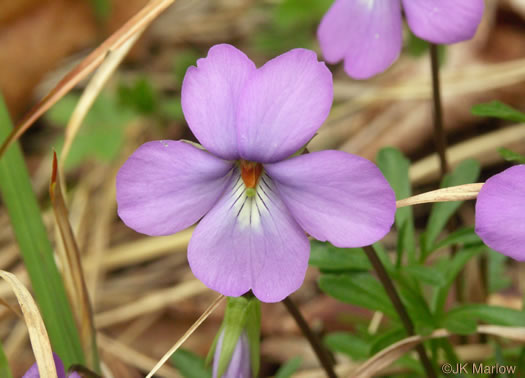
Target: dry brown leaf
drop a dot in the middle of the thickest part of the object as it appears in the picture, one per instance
(73, 271)
(454, 193)
(135, 25)
(35, 325)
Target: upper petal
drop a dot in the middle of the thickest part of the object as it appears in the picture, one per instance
(283, 105)
(336, 196)
(366, 33)
(210, 95)
(500, 212)
(166, 186)
(248, 243)
(444, 21)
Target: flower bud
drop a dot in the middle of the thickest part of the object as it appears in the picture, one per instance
(235, 350)
(239, 366)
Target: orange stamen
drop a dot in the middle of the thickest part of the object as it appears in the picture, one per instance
(250, 173)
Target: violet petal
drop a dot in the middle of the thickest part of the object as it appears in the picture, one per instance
(283, 105)
(336, 196)
(444, 21)
(366, 33)
(210, 95)
(166, 186)
(500, 212)
(34, 373)
(248, 243)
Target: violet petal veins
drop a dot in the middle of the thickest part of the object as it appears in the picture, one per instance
(257, 206)
(500, 212)
(367, 34)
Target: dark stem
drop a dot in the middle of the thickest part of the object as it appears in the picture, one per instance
(400, 308)
(323, 356)
(440, 138)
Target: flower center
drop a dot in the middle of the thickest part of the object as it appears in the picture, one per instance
(250, 173)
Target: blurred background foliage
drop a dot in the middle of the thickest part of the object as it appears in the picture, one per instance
(143, 293)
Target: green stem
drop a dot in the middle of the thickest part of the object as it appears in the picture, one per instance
(400, 308)
(440, 138)
(322, 354)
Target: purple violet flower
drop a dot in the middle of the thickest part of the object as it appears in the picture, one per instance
(240, 365)
(61, 371)
(367, 34)
(255, 200)
(500, 212)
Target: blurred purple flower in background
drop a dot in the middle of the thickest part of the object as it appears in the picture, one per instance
(500, 212)
(61, 372)
(254, 200)
(239, 366)
(367, 34)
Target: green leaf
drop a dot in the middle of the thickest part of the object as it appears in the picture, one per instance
(183, 60)
(171, 109)
(511, 156)
(36, 250)
(497, 278)
(289, 368)
(360, 289)
(465, 236)
(498, 109)
(426, 274)
(383, 340)
(395, 166)
(466, 172)
(349, 344)
(189, 364)
(465, 315)
(416, 306)
(140, 96)
(291, 13)
(329, 258)
(102, 9)
(102, 133)
(451, 269)
(4, 365)
(461, 324)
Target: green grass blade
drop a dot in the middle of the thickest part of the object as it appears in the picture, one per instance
(4, 366)
(36, 250)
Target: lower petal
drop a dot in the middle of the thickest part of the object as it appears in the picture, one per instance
(444, 21)
(500, 212)
(248, 243)
(166, 186)
(366, 33)
(336, 197)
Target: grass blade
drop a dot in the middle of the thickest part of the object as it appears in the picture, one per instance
(73, 271)
(36, 250)
(35, 326)
(4, 366)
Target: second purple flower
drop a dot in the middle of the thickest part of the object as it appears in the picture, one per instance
(255, 200)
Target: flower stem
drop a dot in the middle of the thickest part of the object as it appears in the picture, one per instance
(440, 138)
(400, 308)
(323, 356)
